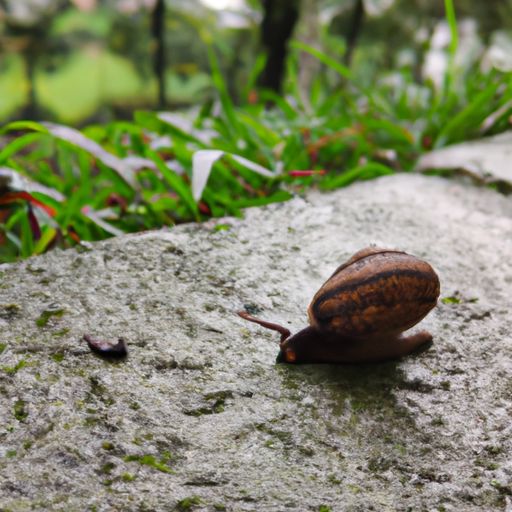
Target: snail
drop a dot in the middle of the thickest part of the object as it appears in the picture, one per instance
(361, 311)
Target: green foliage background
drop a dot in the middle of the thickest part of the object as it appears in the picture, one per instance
(120, 174)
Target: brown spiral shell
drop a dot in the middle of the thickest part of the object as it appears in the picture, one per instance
(377, 291)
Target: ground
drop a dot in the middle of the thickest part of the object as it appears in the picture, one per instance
(199, 416)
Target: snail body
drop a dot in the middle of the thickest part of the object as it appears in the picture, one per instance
(361, 311)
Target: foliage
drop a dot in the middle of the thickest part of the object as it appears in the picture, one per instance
(60, 186)
(72, 65)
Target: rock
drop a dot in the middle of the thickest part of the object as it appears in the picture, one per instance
(485, 160)
(199, 415)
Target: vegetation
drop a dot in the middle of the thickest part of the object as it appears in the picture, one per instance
(60, 186)
(151, 460)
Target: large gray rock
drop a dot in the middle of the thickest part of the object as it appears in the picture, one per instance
(199, 415)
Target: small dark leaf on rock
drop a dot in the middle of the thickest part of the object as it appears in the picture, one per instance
(107, 349)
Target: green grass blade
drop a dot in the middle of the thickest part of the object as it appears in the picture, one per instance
(228, 108)
(452, 49)
(257, 68)
(23, 125)
(152, 122)
(202, 166)
(336, 66)
(262, 132)
(267, 95)
(452, 23)
(366, 171)
(176, 183)
(18, 144)
(468, 119)
(47, 236)
(76, 138)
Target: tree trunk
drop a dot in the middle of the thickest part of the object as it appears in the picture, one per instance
(354, 30)
(157, 31)
(279, 19)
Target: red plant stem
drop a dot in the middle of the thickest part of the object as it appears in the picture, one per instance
(307, 172)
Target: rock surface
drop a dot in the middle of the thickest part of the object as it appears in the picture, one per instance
(486, 160)
(199, 417)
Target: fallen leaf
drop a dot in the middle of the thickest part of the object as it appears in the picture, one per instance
(107, 349)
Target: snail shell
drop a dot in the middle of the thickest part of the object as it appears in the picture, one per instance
(376, 291)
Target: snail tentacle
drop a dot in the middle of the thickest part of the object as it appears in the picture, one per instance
(285, 333)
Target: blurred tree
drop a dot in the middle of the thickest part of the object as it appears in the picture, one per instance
(157, 29)
(308, 31)
(383, 28)
(354, 29)
(279, 19)
(28, 30)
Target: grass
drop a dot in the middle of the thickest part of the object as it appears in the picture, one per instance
(68, 186)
